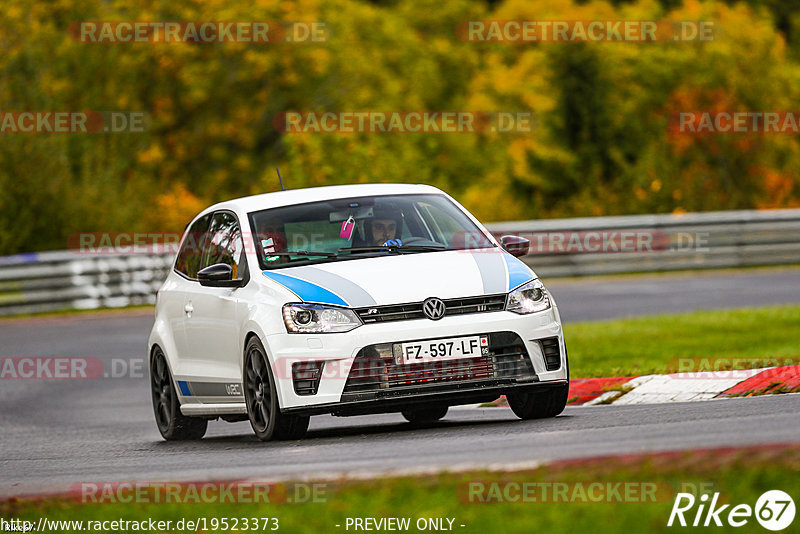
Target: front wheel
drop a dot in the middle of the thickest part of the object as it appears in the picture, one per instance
(261, 397)
(172, 424)
(539, 404)
(428, 414)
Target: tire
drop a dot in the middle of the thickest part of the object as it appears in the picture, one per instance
(539, 404)
(428, 414)
(172, 424)
(261, 397)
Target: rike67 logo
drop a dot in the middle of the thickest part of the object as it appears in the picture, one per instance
(774, 510)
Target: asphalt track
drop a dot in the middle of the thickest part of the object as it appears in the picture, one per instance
(55, 433)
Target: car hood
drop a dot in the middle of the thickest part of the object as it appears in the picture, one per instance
(400, 278)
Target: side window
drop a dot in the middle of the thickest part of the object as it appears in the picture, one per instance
(190, 257)
(224, 243)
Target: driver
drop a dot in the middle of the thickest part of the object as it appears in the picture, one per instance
(385, 225)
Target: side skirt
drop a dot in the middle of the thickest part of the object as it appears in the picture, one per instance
(192, 410)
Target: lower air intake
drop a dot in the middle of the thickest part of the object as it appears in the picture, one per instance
(305, 377)
(552, 353)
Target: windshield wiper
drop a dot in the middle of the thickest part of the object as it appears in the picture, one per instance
(393, 248)
(302, 253)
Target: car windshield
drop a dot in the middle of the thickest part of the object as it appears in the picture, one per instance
(334, 230)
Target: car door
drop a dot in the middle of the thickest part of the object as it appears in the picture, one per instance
(214, 313)
(172, 296)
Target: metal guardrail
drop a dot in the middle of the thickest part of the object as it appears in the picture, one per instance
(49, 281)
(694, 241)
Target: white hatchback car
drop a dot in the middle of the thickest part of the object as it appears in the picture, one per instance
(349, 300)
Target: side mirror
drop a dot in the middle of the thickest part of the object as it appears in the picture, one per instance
(218, 275)
(515, 245)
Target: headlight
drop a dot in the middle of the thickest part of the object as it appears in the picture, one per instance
(528, 298)
(318, 319)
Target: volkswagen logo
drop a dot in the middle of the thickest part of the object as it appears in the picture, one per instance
(433, 309)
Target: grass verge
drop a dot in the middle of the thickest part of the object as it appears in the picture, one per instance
(693, 273)
(520, 501)
(658, 344)
(73, 312)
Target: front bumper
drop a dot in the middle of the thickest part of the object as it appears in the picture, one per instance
(340, 351)
(460, 394)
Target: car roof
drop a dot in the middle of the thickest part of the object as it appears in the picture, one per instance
(314, 194)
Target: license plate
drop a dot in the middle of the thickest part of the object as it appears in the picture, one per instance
(442, 349)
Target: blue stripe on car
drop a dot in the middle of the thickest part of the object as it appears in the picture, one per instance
(518, 272)
(307, 291)
(184, 387)
(352, 292)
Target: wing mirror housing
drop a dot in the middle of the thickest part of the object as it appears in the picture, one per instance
(515, 245)
(218, 275)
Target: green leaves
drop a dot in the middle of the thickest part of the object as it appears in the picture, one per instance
(600, 142)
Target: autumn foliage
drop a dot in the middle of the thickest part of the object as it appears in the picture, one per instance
(601, 142)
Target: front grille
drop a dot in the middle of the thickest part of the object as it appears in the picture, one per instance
(375, 373)
(404, 312)
(552, 355)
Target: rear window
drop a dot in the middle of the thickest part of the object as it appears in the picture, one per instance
(190, 256)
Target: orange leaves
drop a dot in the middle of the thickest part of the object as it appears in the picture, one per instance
(778, 190)
(686, 110)
(173, 209)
